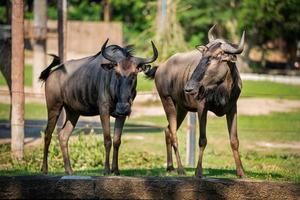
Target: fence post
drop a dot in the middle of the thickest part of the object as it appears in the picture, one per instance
(191, 139)
(62, 43)
(17, 76)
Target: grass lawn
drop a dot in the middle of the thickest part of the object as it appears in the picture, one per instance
(27, 78)
(143, 153)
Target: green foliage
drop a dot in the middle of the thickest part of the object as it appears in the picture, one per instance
(2, 15)
(84, 10)
(270, 19)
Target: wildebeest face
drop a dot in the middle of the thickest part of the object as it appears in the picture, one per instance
(209, 74)
(124, 79)
(213, 67)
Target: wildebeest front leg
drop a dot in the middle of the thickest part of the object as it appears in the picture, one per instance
(234, 141)
(202, 116)
(63, 137)
(107, 141)
(119, 123)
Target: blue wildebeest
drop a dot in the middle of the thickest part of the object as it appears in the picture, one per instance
(202, 80)
(103, 84)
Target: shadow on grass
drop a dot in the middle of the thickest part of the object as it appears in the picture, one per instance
(213, 173)
(153, 172)
(33, 128)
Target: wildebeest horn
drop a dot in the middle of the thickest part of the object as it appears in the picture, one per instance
(228, 48)
(107, 56)
(210, 35)
(149, 60)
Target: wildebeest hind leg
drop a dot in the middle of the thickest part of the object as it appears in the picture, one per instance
(171, 136)
(53, 114)
(64, 135)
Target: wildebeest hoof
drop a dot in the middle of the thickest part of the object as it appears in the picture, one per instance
(44, 171)
(181, 171)
(70, 172)
(199, 174)
(106, 172)
(116, 172)
(170, 168)
(240, 174)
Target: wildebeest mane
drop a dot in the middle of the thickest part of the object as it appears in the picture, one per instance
(128, 50)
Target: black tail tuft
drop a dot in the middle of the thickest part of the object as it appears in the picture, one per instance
(150, 73)
(44, 75)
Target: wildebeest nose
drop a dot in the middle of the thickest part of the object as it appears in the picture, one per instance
(188, 88)
(123, 108)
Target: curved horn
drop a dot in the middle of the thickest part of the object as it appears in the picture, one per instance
(227, 48)
(152, 59)
(210, 35)
(105, 55)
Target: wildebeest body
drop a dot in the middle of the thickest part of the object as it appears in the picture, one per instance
(103, 84)
(200, 81)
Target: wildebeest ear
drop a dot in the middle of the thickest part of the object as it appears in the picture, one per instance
(202, 48)
(228, 58)
(108, 66)
(143, 68)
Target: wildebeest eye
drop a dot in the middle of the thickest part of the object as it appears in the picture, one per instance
(108, 66)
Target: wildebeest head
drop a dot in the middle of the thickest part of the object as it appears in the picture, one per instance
(214, 65)
(124, 77)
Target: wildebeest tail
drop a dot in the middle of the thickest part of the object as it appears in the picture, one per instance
(56, 61)
(150, 73)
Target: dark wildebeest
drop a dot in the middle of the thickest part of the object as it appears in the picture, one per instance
(103, 84)
(198, 81)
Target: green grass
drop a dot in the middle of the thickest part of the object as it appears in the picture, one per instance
(27, 77)
(142, 153)
(32, 111)
(270, 90)
(144, 84)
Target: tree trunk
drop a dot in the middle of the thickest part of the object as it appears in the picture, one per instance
(106, 10)
(39, 47)
(17, 119)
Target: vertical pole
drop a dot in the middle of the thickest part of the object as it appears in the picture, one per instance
(62, 29)
(62, 43)
(106, 10)
(191, 140)
(17, 75)
(162, 16)
(39, 47)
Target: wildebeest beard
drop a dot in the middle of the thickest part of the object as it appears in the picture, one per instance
(217, 96)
